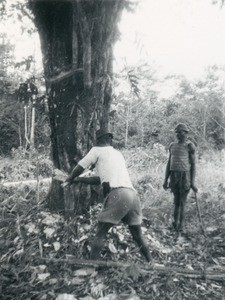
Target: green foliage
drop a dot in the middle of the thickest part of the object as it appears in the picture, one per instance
(133, 97)
(21, 177)
(7, 133)
(133, 80)
(12, 123)
(11, 111)
(3, 9)
(201, 106)
(17, 10)
(149, 118)
(6, 59)
(23, 165)
(10, 119)
(146, 168)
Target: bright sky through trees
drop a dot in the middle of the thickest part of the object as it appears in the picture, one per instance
(180, 36)
(177, 36)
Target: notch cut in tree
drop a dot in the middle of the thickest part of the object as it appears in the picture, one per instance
(77, 40)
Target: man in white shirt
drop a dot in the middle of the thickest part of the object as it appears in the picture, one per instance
(121, 200)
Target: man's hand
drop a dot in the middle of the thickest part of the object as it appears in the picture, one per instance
(165, 185)
(68, 181)
(194, 188)
(65, 183)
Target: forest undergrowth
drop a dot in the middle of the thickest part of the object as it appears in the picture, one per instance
(40, 250)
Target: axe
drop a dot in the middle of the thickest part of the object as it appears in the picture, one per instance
(59, 175)
(88, 177)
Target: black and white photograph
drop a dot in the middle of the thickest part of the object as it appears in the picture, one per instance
(112, 149)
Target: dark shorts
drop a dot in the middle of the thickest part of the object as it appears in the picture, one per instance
(180, 181)
(122, 204)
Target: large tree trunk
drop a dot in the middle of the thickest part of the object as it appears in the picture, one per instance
(76, 39)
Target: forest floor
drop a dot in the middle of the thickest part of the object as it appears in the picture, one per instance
(44, 256)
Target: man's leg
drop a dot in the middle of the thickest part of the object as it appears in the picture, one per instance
(176, 209)
(183, 198)
(99, 239)
(139, 239)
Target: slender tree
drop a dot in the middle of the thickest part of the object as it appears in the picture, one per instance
(77, 38)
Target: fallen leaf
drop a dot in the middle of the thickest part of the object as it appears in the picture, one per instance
(84, 237)
(65, 297)
(49, 231)
(133, 271)
(51, 219)
(53, 281)
(112, 248)
(31, 228)
(189, 267)
(43, 276)
(84, 272)
(120, 236)
(213, 285)
(97, 291)
(56, 246)
(42, 267)
(210, 229)
(18, 252)
(77, 280)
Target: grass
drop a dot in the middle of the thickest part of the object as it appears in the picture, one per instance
(147, 169)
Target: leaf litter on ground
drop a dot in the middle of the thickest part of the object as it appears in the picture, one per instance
(29, 234)
(37, 233)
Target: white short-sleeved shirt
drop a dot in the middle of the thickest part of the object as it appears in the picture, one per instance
(109, 164)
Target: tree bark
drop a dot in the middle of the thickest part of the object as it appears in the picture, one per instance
(76, 40)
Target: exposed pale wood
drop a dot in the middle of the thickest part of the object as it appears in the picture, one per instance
(25, 182)
(59, 175)
(63, 75)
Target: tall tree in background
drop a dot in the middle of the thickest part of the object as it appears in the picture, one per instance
(18, 94)
(9, 125)
(77, 40)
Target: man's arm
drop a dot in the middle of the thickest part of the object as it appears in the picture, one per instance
(75, 173)
(88, 180)
(167, 174)
(86, 162)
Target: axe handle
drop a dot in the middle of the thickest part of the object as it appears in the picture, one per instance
(199, 214)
